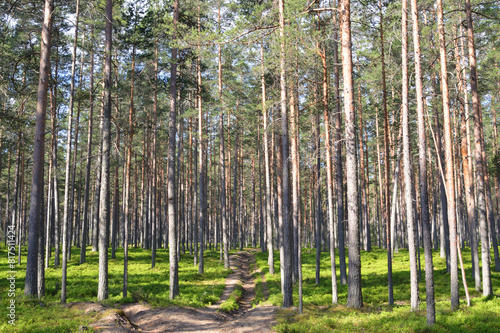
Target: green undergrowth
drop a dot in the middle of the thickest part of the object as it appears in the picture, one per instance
(145, 284)
(376, 315)
(231, 304)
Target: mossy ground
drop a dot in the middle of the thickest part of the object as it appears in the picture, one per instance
(145, 284)
(376, 315)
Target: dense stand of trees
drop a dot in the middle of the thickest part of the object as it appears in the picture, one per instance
(226, 124)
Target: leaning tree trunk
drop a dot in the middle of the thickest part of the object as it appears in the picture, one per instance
(35, 215)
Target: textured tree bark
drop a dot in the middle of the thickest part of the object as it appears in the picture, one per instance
(104, 205)
(450, 178)
(287, 225)
(85, 226)
(201, 152)
(354, 294)
(407, 170)
(269, 222)
(364, 178)
(422, 159)
(467, 171)
(222, 162)
(387, 211)
(155, 195)
(67, 185)
(329, 173)
(126, 196)
(172, 225)
(480, 162)
(339, 177)
(35, 214)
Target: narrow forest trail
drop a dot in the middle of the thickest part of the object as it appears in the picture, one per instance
(140, 317)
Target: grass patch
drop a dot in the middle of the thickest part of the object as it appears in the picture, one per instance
(376, 315)
(231, 304)
(145, 284)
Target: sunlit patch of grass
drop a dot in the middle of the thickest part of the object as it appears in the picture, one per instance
(145, 284)
(376, 315)
(231, 304)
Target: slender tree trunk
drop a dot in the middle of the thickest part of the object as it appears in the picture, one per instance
(407, 170)
(269, 222)
(387, 210)
(126, 197)
(363, 181)
(354, 294)
(67, 186)
(339, 177)
(156, 211)
(35, 215)
(174, 275)
(201, 152)
(480, 163)
(329, 175)
(450, 179)
(467, 171)
(104, 206)
(422, 159)
(89, 159)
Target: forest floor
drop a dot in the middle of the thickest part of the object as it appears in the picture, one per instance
(236, 311)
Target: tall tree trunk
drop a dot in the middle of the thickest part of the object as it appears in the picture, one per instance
(172, 241)
(329, 175)
(126, 206)
(85, 226)
(363, 181)
(354, 294)
(67, 186)
(287, 225)
(222, 161)
(339, 177)
(269, 222)
(480, 162)
(35, 215)
(387, 210)
(450, 179)
(104, 206)
(156, 211)
(467, 171)
(201, 152)
(422, 159)
(407, 163)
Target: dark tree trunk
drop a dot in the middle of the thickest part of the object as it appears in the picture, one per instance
(35, 215)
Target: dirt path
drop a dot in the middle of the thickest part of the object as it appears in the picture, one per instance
(140, 317)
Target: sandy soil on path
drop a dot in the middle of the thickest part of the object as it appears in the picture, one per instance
(140, 317)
